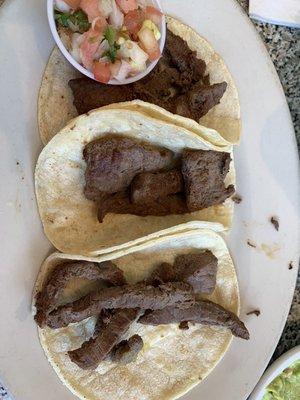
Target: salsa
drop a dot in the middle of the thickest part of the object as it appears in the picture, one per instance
(111, 38)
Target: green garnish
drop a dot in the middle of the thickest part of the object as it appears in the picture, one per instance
(76, 21)
(110, 35)
(111, 53)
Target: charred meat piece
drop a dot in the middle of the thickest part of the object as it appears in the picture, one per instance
(112, 163)
(162, 274)
(120, 203)
(203, 312)
(178, 84)
(199, 270)
(135, 296)
(127, 350)
(57, 281)
(89, 94)
(160, 86)
(199, 100)
(102, 320)
(147, 187)
(204, 173)
(95, 350)
(185, 60)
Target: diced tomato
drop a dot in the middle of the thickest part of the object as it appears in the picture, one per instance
(89, 47)
(99, 24)
(127, 5)
(101, 71)
(115, 68)
(153, 14)
(149, 43)
(74, 4)
(133, 21)
(91, 8)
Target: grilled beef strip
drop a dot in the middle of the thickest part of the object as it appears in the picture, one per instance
(95, 350)
(199, 270)
(162, 274)
(47, 299)
(120, 203)
(199, 98)
(103, 319)
(135, 296)
(204, 172)
(203, 312)
(127, 351)
(178, 83)
(112, 163)
(148, 187)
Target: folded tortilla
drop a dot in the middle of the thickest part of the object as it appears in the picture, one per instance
(172, 361)
(55, 103)
(70, 220)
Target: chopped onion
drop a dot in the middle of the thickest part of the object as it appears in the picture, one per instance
(62, 6)
(75, 52)
(72, 26)
(142, 3)
(95, 20)
(116, 17)
(104, 46)
(132, 50)
(106, 8)
(124, 71)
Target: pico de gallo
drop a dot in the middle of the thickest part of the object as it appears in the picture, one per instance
(111, 38)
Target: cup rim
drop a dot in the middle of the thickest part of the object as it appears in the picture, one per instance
(86, 72)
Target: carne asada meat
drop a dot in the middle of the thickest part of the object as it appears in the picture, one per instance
(103, 319)
(95, 350)
(120, 203)
(112, 163)
(178, 83)
(89, 94)
(128, 296)
(199, 98)
(147, 187)
(181, 57)
(57, 281)
(127, 350)
(162, 274)
(203, 312)
(204, 173)
(199, 270)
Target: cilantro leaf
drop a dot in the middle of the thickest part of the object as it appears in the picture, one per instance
(77, 21)
(80, 19)
(110, 35)
(111, 53)
(62, 18)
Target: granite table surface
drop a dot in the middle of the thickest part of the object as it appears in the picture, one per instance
(283, 45)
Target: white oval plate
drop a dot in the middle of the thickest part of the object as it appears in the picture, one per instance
(267, 179)
(273, 371)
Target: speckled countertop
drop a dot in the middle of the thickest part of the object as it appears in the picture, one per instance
(283, 45)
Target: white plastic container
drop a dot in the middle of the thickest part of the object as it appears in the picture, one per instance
(83, 70)
(273, 371)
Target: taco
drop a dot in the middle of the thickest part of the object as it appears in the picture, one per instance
(191, 80)
(125, 352)
(138, 174)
